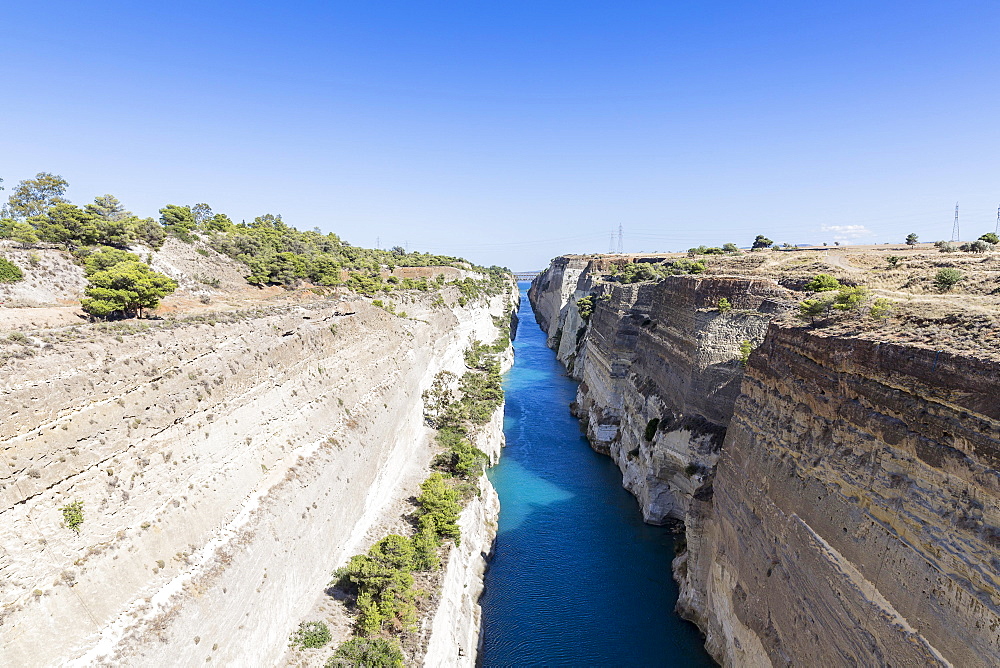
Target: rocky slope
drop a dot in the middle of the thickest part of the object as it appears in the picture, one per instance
(839, 495)
(226, 463)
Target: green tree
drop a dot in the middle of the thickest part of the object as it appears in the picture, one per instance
(946, 279)
(367, 653)
(731, 248)
(178, 221)
(822, 283)
(881, 308)
(24, 234)
(9, 272)
(761, 242)
(32, 197)
(813, 308)
(850, 298)
(202, 214)
(724, 305)
(990, 238)
(911, 239)
(150, 232)
(108, 208)
(440, 501)
(105, 258)
(220, 222)
(126, 289)
(67, 224)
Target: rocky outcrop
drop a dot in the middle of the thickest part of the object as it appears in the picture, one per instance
(840, 496)
(225, 464)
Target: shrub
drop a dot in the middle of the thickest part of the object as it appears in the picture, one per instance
(73, 515)
(881, 308)
(651, 427)
(990, 238)
(367, 653)
(440, 502)
(383, 581)
(9, 272)
(849, 298)
(947, 247)
(822, 283)
(310, 635)
(812, 308)
(586, 307)
(745, 349)
(893, 260)
(946, 279)
(724, 305)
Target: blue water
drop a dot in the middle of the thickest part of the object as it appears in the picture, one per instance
(577, 579)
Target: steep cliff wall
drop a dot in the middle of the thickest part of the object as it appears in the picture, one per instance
(855, 513)
(225, 468)
(840, 495)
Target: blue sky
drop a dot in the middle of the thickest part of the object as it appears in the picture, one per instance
(512, 132)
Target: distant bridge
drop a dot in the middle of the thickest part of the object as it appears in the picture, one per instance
(526, 275)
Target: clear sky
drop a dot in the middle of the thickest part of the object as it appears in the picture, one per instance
(510, 132)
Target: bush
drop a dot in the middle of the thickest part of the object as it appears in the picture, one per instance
(881, 308)
(946, 279)
(990, 238)
(651, 428)
(310, 635)
(367, 653)
(586, 307)
(745, 349)
(73, 515)
(440, 501)
(893, 260)
(822, 283)
(947, 246)
(383, 582)
(9, 272)
(849, 299)
(724, 305)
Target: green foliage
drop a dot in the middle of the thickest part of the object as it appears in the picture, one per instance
(685, 266)
(946, 278)
(731, 248)
(707, 250)
(9, 272)
(461, 457)
(125, 289)
(761, 242)
(425, 546)
(586, 307)
(383, 582)
(893, 260)
(24, 234)
(367, 653)
(178, 221)
(440, 502)
(850, 298)
(990, 238)
(310, 635)
(724, 305)
(911, 239)
(977, 246)
(822, 283)
(73, 515)
(745, 349)
(880, 309)
(651, 428)
(32, 197)
(637, 272)
(813, 308)
(105, 258)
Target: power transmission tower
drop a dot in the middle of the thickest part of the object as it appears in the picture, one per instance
(621, 247)
(997, 230)
(954, 229)
(378, 243)
(611, 244)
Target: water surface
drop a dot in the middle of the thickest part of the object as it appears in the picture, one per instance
(577, 578)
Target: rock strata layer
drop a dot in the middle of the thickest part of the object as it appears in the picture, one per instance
(839, 495)
(224, 468)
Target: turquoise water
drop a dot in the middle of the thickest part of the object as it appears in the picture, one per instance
(577, 579)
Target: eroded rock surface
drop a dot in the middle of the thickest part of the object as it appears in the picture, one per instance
(839, 495)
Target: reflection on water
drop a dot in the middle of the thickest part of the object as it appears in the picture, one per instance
(577, 579)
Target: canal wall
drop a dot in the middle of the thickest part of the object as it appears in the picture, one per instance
(839, 492)
(226, 464)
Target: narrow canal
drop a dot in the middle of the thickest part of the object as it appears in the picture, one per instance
(577, 578)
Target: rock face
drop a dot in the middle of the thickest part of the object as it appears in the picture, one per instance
(839, 495)
(225, 468)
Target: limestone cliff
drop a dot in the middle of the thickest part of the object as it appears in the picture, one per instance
(226, 464)
(839, 494)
